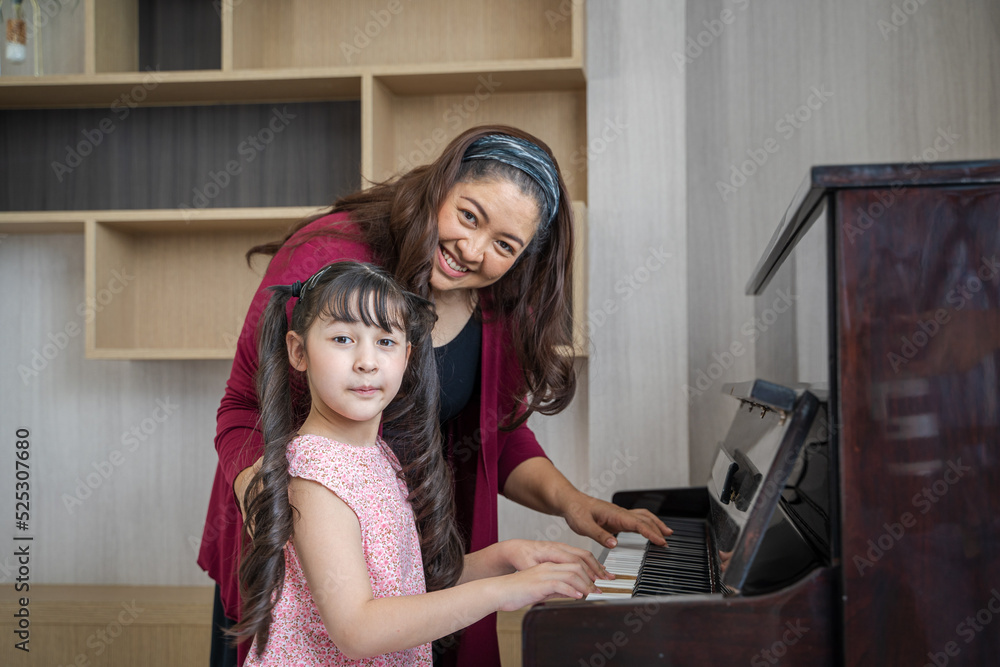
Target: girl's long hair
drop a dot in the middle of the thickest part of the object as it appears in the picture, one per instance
(345, 291)
(398, 221)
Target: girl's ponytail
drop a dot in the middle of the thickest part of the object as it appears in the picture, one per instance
(268, 511)
(410, 426)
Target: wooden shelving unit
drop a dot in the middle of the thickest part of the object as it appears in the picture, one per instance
(421, 73)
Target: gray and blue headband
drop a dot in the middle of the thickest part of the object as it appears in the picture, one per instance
(526, 156)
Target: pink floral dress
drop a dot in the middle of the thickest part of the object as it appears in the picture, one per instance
(364, 478)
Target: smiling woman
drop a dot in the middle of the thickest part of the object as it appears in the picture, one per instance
(486, 233)
(483, 226)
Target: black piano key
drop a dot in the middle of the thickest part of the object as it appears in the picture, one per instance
(682, 567)
(679, 550)
(675, 568)
(657, 565)
(677, 588)
(689, 573)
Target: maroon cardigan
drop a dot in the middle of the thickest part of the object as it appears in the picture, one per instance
(481, 454)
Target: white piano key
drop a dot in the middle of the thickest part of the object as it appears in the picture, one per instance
(628, 584)
(608, 596)
(631, 540)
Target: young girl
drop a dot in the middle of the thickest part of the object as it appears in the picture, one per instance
(334, 572)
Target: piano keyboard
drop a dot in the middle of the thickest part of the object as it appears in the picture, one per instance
(641, 568)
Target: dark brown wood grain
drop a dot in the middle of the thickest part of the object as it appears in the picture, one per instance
(905, 174)
(795, 626)
(918, 344)
(814, 189)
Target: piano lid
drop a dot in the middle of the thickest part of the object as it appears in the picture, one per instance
(753, 466)
(809, 199)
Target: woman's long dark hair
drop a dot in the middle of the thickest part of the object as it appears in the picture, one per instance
(345, 291)
(398, 221)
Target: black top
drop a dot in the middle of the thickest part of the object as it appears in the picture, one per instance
(458, 366)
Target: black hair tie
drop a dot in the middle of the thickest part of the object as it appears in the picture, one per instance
(296, 289)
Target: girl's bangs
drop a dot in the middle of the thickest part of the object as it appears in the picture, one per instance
(369, 299)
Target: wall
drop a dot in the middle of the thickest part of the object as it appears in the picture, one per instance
(637, 244)
(627, 428)
(97, 516)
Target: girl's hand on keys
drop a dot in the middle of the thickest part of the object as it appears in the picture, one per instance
(543, 582)
(524, 554)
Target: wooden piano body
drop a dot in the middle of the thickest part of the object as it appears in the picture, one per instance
(903, 298)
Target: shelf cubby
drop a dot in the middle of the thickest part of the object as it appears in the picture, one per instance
(130, 35)
(311, 33)
(408, 130)
(162, 287)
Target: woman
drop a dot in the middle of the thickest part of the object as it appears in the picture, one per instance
(486, 233)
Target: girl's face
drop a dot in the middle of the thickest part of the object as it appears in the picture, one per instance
(354, 370)
(483, 227)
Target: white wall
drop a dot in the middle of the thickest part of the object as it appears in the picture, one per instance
(638, 246)
(627, 428)
(98, 517)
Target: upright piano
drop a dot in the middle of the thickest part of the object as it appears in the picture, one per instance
(852, 515)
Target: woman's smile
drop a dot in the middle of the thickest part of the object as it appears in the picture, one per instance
(450, 264)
